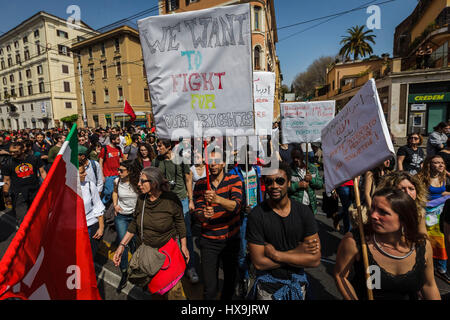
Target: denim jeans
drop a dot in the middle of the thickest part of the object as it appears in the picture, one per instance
(345, 195)
(121, 222)
(243, 264)
(441, 265)
(94, 242)
(108, 189)
(189, 241)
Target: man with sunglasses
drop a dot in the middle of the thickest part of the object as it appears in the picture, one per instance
(282, 237)
(218, 210)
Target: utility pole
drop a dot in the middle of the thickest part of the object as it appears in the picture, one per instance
(82, 95)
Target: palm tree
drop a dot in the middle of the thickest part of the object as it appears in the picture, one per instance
(357, 42)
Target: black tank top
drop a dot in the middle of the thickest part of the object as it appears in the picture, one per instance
(393, 287)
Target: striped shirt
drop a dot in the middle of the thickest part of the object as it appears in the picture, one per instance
(223, 224)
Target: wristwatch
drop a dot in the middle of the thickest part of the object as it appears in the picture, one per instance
(123, 245)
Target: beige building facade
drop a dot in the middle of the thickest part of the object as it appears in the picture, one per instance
(113, 71)
(37, 76)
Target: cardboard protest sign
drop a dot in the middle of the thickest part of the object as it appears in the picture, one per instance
(263, 95)
(304, 121)
(356, 140)
(199, 69)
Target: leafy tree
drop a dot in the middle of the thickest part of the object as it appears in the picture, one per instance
(305, 83)
(357, 43)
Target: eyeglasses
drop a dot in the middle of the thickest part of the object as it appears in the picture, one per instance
(120, 170)
(414, 138)
(141, 181)
(280, 181)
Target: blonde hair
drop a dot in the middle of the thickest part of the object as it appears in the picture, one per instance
(425, 173)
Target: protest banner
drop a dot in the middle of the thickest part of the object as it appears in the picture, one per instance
(304, 121)
(199, 70)
(357, 139)
(263, 95)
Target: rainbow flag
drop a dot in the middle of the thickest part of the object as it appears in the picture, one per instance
(432, 218)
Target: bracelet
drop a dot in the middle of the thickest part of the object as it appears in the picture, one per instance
(124, 245)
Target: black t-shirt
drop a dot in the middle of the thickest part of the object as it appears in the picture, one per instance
(23, 173)
(266, 226)
(413, 158)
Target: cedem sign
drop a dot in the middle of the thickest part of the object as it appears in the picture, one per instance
(436, 97)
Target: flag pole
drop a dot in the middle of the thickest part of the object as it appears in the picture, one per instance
(246, 171)
(363, 239)
(207, 165)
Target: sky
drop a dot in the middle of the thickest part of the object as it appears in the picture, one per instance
(296, 53)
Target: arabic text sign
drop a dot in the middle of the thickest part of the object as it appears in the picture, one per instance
(356, 140)
(199, 69)
(263, 95)
(304, 121)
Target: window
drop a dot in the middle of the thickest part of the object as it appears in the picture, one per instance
(65, 69)
(120, 93)
(90, 52)
(41, 86)
(117, 44)
(28, 73)
(25, 124)
(105, 71)
(13, 91)
(68, 105)
(18, 58)
(20, 75)
(63, 50)
(146, 95)
(38, 48)
(80, 38)
(119, 68)
(21, 91)
(172, 5)
(62, 34)
(36, 33)
(26, 54)
(16, 44)
(257, 57)
(23, 108)
(8, 48)
(102, 47)
(94, 97)
(257, 11)
(1, 51)
(31, 107)
(5, 81)
(11, 78)
(91, 72)
(10, 63)
(30, 92)
(106, 95)
(3, 64)
(66, 86)
(39, 69)
(25, 40)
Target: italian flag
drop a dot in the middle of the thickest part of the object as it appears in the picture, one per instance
(50, 257)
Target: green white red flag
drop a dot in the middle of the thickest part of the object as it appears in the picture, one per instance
(50, 257)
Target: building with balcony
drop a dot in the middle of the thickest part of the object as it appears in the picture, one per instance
(37, 78)
(264, 33)
(113, 71)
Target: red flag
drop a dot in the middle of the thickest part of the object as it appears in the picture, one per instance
(129, 111)
(50, 257)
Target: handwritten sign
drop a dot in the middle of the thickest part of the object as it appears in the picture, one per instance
(263, 95)
(304, 121)
(199, 69)
(356, 140)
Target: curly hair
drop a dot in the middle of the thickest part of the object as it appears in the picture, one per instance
(133, 174)
(393, 179)
(425, 174)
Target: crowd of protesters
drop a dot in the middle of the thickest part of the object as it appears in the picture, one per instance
(259, 229)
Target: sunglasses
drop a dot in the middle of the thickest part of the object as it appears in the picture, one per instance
(280, 181)
(414, 138)
(141, 181)
(120, 170)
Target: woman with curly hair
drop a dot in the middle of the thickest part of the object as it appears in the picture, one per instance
(145, 156)
(410, 157)
(433, 174)
(412, 186)
(125, 195)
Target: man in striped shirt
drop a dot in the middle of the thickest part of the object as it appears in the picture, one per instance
(218, 210)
